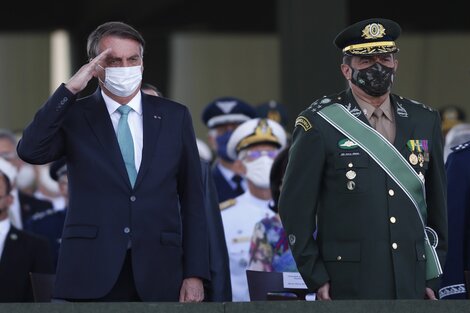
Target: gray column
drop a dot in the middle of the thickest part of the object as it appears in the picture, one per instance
(310, 63)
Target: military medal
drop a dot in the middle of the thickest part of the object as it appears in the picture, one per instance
(413, 158)
(350, 174)
(420, 159)
(350, 185)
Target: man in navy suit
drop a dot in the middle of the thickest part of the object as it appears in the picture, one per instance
(20, 252)
(135, 228)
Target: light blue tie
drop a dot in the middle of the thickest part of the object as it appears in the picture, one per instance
(126, 143)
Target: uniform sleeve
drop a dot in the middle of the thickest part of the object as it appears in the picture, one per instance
(458, 202)
(436, 196)
(299, 200)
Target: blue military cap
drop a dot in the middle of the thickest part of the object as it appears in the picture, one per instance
(58, 168)
(273, 110)
(227, 110)
(369, 37)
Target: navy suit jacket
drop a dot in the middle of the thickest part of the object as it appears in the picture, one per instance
(224, 189)
(162, 216)
(23, 253)
(219, 289)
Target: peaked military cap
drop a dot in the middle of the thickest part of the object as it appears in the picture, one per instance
(274, 111)
(256, 131)
(227, 110)
(369, 37)
(58, 168)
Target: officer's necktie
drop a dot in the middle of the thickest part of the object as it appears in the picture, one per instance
(379, 123)
(238, 180)
(126, 143)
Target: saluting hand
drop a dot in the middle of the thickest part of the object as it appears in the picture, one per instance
(192, 290)
(81, 78)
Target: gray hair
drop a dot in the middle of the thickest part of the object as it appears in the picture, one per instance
(115, 29)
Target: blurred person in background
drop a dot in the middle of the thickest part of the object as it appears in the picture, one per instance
(221, 117)
(269, 248)
(50, 223)
(20, 251)
(24, 182)
(256, 143)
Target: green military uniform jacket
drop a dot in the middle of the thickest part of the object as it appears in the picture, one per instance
(369, 241)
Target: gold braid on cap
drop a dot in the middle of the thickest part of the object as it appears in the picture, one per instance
(263, 133)
(372, 48)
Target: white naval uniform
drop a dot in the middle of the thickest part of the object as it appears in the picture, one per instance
(239, 221)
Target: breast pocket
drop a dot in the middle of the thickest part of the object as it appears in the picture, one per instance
(351, 171)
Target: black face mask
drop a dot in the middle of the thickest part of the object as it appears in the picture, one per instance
(374, 80)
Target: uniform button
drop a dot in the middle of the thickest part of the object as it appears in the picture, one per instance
(424, 256)
(391, 192)
(350, 165)
(393, 220)
(394, 246)
(133, 198)
(127, 230)
(338, 258)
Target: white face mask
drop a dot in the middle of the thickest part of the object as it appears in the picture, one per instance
(26, 176)
(257, 171)
(122, 81)
(47, 182)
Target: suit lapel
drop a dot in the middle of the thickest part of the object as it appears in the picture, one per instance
(152, 120)
(9, 247)
(99, 121)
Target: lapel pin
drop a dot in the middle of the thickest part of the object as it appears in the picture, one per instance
(157, 116)
(13, 236)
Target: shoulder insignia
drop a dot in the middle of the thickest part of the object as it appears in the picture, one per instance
(416, 103)
(42, 214)
(303, 122)
(227, 204)
(461, 147)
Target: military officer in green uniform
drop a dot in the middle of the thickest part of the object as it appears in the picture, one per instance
(369, 183)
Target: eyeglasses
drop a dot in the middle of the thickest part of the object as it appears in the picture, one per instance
(255, 154)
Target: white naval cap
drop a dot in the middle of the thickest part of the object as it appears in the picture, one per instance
(256, 131)
(9, 170)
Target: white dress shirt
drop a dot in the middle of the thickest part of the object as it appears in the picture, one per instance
(4, 229)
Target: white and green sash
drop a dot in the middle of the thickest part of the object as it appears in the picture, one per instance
(394, 164)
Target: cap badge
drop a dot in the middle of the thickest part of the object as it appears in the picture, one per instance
(373, 31)
(226, 106)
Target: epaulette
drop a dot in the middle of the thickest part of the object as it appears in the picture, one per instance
(42, 214)
(461, 147)
(227, 204)
(314, 108)
(406, 100)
